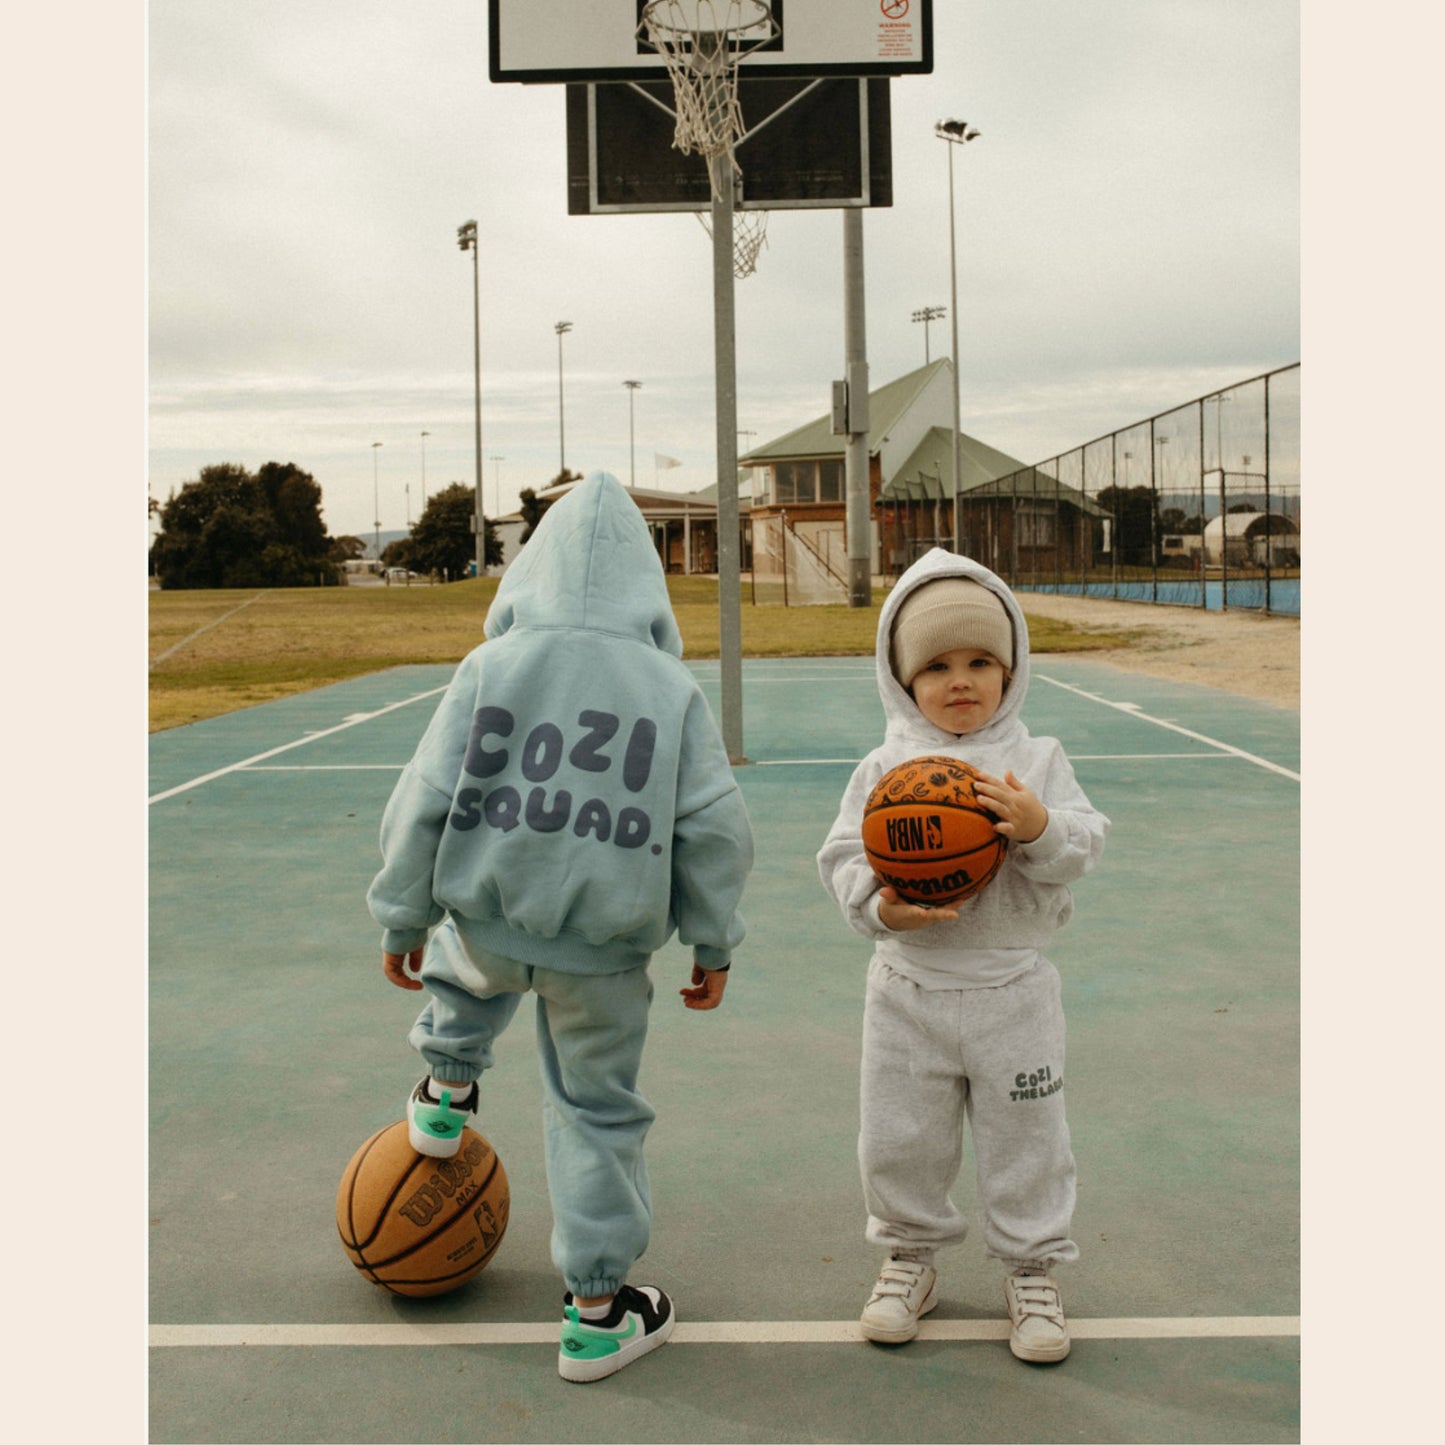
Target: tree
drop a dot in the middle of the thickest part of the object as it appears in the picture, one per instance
(1175, 521)
(229, 528)
(442, 541)
(1135, 523)
(533, 508)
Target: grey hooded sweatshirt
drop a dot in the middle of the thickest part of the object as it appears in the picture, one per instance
(1001, 931)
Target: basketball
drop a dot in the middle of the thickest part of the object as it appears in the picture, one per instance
(927, 833)
(421, 1226)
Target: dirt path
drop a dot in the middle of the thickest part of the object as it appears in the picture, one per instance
(1241, 652)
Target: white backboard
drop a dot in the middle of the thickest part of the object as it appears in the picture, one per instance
(577, 40)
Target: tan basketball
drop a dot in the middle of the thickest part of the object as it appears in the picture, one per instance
(421, 1226)
(928, 834)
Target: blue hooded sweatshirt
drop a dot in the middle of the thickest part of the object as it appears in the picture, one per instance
(571, 804)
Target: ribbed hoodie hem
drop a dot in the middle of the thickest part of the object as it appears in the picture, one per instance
(567, 953)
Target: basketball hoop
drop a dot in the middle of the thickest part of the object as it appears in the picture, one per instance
(701, 42)
(750, 235)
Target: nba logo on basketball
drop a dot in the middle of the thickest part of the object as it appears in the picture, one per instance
(916, 835)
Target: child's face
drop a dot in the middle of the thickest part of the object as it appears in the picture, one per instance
(960, 690)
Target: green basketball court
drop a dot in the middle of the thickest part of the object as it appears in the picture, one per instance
(276, 1047)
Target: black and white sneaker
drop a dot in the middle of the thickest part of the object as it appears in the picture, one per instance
(639, 1320)
(434, 1126)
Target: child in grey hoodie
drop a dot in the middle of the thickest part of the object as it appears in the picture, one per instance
(568, 809)
(963, 1016)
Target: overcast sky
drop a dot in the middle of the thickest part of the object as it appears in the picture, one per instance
(1128, 239)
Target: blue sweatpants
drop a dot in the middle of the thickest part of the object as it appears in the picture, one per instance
(590, 1032)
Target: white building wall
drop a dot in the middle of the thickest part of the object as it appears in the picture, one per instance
(933, 407)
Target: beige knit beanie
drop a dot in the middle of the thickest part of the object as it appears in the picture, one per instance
(951, 612)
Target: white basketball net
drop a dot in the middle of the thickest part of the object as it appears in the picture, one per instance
(701, 42)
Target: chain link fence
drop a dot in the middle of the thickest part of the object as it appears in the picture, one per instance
(1199, 506)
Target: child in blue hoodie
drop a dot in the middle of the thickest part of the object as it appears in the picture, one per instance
(570, 807)
(963, 1019)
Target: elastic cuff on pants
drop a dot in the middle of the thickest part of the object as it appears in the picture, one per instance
(594, 1288)
(451, 1076)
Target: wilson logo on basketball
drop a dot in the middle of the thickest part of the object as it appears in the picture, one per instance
(452, 1177)
(944, 888)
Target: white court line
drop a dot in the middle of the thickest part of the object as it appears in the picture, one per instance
(182, 643)
(756, 763)
(724, 1332)
(334, 767)
(1133, 710)
(340, 727)
(1073, 758)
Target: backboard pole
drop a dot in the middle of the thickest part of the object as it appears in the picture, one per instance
(855, 346)
(729, 561)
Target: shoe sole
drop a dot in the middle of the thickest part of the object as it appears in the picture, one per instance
(585, 1372)
(880, 1336)
(430, 1145)
(1038, 1354)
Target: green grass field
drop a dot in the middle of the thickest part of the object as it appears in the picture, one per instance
(216, 652)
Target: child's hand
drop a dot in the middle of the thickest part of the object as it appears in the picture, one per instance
(903, 917)
(402, 971)
(1022, 818)
(707, 989)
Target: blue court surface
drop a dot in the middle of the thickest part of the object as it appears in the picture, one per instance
(276, 1043)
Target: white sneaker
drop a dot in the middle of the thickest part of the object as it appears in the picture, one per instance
(903, 1294)
(1040, 1332)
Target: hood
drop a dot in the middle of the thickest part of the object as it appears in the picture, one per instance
(589, 566)
(900, 711)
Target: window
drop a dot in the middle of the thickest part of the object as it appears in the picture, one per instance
(1035, 525)
(788, 480)
(810, 481)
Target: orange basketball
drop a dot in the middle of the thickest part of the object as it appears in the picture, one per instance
(928, 834)
(417, 1225)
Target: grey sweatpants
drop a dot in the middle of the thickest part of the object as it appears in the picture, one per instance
(996, 1055)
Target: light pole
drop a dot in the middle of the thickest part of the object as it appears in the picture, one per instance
(1159, 444)
(1219, 401)
(631, 430)
(424, 436)
(467, 241)
(925, 315)
(376, 502)
(561, 328)
(497, 486)
(956, 133)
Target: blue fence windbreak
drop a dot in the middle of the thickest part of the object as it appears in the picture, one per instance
(1250, 593)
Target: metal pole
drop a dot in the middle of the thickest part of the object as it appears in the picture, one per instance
(1268, 547)
(953, 326)
(955, 133)
(856, 481)
(1156, 468)
(376, 502)
(477, 406)
(729, 579)
(1203, 585)
(631, 429)
(562, 328)
(424, 436)
(467, 241)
